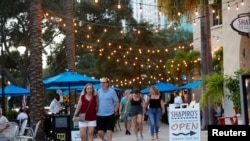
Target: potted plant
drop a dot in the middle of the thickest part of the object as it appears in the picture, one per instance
(233, 85)
(213, 94)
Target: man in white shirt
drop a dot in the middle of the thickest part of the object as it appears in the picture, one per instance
(55, 105)
(177, 100)
(21, 116)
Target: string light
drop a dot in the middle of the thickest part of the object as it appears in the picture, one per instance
(119, 5)
(141, 51)
(81, 22)
(196, 11)
(179, 13)
(228, 6)
(242, 2)
(140, 7)
(159, 10)
(194, 22)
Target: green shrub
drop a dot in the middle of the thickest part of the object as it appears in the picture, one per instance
(11, 115)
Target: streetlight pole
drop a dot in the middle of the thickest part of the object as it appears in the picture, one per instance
(2, 68)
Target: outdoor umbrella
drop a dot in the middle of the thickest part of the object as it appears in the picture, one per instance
(12, 90)
(191, 85)
(162, 87)
(64, 88)
(79, 89)
(68, 79)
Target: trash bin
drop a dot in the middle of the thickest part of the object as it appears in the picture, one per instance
(61, 127)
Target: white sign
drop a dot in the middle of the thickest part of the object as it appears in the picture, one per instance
(184, 123)
(75, 135)
(242, 24)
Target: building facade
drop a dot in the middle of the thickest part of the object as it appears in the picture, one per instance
(148, 11)
(236, 47)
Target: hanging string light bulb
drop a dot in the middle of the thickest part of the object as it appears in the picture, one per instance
(159, 10)
(242, 2)
(196, 11)
(119, 5)
(140, 7)
(179, 13)
(228, 6)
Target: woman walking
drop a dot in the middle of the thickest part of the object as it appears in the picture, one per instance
(136, 110)
(155, 111)
(87, 104)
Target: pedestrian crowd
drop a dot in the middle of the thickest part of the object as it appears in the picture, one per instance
(103, 108)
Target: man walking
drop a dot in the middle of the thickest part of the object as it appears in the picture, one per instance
(108, 106)
(126, 116)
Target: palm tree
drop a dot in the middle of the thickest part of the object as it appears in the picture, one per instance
(36, 86)
(70, 35)
(184, 63)
(70, 43)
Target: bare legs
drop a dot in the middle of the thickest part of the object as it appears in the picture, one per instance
(102, 135)
(127, 126)
(138, 126)
(83, 135)
(87, 133)
(91, 133)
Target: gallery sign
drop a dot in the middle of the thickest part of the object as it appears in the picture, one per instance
(242, 24)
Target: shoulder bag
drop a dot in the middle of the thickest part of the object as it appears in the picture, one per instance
(82, 115)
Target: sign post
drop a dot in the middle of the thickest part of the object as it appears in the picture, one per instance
(184, 123)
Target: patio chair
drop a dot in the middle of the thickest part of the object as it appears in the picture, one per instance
(23, 127)
(10, 133)
(32, 133)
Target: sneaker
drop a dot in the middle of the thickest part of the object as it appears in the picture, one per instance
(126, 133)
(141, 136)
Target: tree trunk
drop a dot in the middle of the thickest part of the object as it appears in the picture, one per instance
(70, 45)
(36, 87)
(206, 56)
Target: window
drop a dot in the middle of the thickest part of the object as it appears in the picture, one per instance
(216, 13)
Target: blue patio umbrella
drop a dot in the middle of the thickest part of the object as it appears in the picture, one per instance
(68, 79)
(64, 88)
(162, 87)
(192, 85)
(13, 90)
(79, 89)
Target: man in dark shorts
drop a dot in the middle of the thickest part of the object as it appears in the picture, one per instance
(108, 104)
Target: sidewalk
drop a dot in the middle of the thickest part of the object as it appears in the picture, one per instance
(163, 134)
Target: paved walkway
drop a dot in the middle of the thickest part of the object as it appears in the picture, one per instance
(163, 134)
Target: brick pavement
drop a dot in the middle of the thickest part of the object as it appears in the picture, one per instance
(163, 134)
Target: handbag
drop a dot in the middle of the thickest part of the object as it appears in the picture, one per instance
(83, 115)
